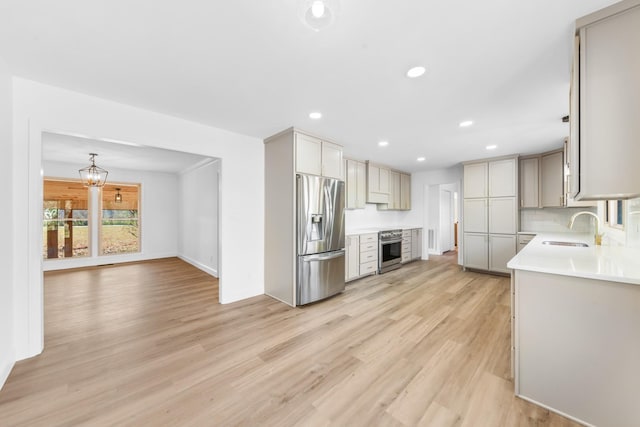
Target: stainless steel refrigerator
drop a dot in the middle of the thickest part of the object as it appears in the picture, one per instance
(320, 238)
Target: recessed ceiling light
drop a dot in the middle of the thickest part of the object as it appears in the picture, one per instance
(315, 115)
(416, 72)
(491, 147)
(383, 143)
(466, 123)
(421, 159)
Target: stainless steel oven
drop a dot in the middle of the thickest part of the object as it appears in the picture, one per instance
(390, 250)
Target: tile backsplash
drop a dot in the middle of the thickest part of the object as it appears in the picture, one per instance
(555, 220)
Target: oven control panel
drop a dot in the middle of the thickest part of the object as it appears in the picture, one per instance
(390, 235)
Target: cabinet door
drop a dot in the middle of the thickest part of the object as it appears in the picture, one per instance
(570, 187)
(352, 265)
(332, 160)
(416, 243)
(377, 184)
(502, 178)
(552, 180)
(405, 191)
(503, 215)
(501, 249)
(394, 196)
(529, 177)
(475, 180)
(351, 185)
(608, 137)
(308, 155)
(476, 251)
(406, 252)
(475, 216)
(384, 180)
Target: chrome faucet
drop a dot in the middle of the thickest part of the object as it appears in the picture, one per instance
(597, 237)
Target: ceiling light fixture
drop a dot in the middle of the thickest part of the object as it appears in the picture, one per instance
(92, 175)
(416, 72)
(383, 143)
(491, 147)
(421, 159)
(118, 198)
(317, 14)
(466, 123)
(315, 115)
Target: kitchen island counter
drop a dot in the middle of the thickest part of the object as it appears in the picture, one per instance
(610, 263)
(575, 320)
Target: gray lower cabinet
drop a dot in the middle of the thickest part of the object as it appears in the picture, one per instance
(411, 244)
(406, 246)
(361, 255)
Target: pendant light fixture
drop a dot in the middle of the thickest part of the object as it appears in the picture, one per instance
(93, 176)
(118, 196)
(317, 14)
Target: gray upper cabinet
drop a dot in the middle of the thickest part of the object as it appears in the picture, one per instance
(552, 180)
(502, 178)
(475, 182)
(356, 184)
(605, 128)
(529, 182)
(377, 184)
(318, 157)
(389, 189)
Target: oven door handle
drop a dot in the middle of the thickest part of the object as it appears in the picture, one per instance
(386, 242)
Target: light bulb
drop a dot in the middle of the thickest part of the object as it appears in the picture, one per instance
(317, 9)
(318, 14)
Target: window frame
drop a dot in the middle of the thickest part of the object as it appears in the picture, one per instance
(94, 220)
(138, 219)
(614, 213)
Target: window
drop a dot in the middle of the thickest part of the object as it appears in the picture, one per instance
(65, 223)
(70, 223)
(614, 213)
(120, 232)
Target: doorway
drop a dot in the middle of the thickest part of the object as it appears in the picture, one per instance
(447, 239)
(176, 204)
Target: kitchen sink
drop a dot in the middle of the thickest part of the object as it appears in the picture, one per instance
(558, 243)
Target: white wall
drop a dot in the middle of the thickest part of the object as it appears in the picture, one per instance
(158, 214)
(7, 348)
(39, 108)
(198, 243)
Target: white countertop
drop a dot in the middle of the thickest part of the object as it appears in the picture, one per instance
(612, 263)
(366, 230)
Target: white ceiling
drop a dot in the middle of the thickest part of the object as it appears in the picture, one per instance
(252, 67)
(75, 150)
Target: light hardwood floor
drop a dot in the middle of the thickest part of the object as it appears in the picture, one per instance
(148, 344)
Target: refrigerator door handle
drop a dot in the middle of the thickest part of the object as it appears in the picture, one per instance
(324, 256)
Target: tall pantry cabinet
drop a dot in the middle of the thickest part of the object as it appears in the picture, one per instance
(490, 213)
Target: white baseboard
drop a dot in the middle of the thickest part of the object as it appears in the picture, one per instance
(64, 264)
(211, 271)
(571, 417)
(5, 369)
